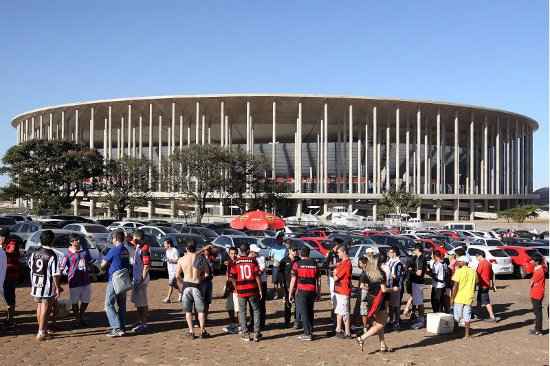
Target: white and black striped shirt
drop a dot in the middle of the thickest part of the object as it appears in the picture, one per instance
(44, 265)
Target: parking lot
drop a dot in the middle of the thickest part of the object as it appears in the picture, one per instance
(504, 343)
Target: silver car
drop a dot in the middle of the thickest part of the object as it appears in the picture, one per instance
(24, 230)
(61, 245)
(97, 234)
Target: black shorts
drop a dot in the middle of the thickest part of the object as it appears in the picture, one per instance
(9, 292)
(483, 297)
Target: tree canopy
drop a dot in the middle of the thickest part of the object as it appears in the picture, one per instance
(399, 202)
(51, 173)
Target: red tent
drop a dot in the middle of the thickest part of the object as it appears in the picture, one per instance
(258, 220)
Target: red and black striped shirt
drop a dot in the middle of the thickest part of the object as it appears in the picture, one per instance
(245, 270)
(306, 274)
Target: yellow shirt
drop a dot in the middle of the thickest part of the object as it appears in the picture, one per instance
(466, 279)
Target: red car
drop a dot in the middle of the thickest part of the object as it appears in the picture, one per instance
(450, 234)
(522, 258)
(322, 244)
(368, 233)
(432, 245)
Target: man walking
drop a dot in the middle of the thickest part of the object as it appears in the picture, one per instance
(172, 256)
(486, 282)
(140, 276)
(245, 275)
(342, 289)
(204, 263)
(118, 258)
(191, 295)
(305, 279)
(45, 281)
(76, 265)
(11, 248)
(255, 253)
(538, 285)
(285, 269)
(231, 297)
(418, 271)
(462, 297)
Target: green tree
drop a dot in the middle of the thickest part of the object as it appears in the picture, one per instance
(51, 173)
(125, 184)
(399, 202)
(200, 172)
(518, 214)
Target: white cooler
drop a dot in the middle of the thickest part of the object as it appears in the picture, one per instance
(440, 323)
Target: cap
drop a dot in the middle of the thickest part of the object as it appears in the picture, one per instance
(463, 259)
(254, 248)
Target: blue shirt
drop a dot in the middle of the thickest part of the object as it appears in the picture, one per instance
(118, 258)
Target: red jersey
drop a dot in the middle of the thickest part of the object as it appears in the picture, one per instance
(484, 273)
(244, 271)
(342, 277)
(11, 248)
(538, 283)
(306, 275)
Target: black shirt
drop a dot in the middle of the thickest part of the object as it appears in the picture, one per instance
(373, 286)
(285, 267)
(418, 264)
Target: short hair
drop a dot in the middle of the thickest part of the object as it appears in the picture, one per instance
(538, 259)
(304, 252)
(460, 251)
(437, 254)
(74, 237)
(139, 234)
(244, 249)
(343, 248)
(47, 238)
(119, 235)
(394, 249)
(418, 246)
(191, 247)
(481, 253)
(169, 241)
(233, 249)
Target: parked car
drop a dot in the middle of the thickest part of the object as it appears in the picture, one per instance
(25, 229)
(158, 257)
(322, 244)
(181, 241)
(18, 218)
(403, 242)
(127, 226)
(355, 252)
(487, 242)
(228, 231)
(261, 233)
(499, 259)
(96, 233)
(313, 253)
(522, 259)
(208, 234)
(72, 218)
(105, 222)
(61, 245)
(7, 222)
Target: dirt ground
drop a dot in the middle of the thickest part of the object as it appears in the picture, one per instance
(505, 343)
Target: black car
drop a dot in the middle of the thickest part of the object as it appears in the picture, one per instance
(74, 219)
(105, 222)
(206, 233)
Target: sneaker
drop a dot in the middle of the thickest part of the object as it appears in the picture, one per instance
(245, 337)
(139, 328)
(304, 337)
(115, 333)
(190, 335)
(257, 337)
(205, 335)
(535, 332)
(166, 300)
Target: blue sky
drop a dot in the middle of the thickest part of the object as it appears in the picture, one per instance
(478, 52)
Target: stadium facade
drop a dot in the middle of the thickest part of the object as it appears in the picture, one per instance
(328, 150)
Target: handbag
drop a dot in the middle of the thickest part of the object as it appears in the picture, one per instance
(121, 281)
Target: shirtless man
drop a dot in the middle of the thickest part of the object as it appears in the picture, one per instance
(190, 286)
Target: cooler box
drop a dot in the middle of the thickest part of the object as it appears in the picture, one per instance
(440, 323)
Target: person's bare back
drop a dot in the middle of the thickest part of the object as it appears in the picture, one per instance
(185, 267)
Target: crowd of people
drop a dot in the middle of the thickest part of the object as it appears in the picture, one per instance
(386, 282)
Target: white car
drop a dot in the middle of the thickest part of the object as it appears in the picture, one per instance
(98, 234)
(357, 251)
(61, 245)
(499, 259)
(125, 225)
(487, 242)
(469, 236)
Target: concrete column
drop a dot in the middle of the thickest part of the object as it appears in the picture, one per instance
(325, 150)
(41, 129)
(426, 167)
(122, 147)
(438, 212)
(92, 208)
(173, 210)
(367, 156)
(91, 127)
(456, 157)
(109, 133)
(151, 209)
(375, 166)
(140, 133)
(173, 130)
(105, 151)
(197, 121)
(350, 149)
(26, 130)
(222, 126)
(397, 157)
(299, 208)
(76, 203)
(299, 138)
(321, 157)
(407, 157)
(472, 210)
(129, 210)
(325, 207)
(471, 175)
(508, 142)
(359, 155)
(485, 156)
(203, 123)
(418, 145)
(273, 138)
(419, 212)
(181, 132)
(160, 151)
(388, 146)
(130, 130)
(438, 155)
(76, 126)
(374, 211)
(33, 132)
(62, 125)
(497, 158)
(50, 128)
(457, 210)
(150, 138)
(248, 127)
(118, 145)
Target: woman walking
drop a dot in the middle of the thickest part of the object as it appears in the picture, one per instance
(374, 281)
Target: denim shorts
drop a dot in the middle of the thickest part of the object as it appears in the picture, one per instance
(190, 296)
(462, 311)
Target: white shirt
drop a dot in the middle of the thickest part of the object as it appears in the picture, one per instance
(439, 272)
(261, 263)
(3, 267)
(172, 255)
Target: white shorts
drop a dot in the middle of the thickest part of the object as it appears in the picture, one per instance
(418, 296)
(80, 294)
(235, 302)
(342, 305)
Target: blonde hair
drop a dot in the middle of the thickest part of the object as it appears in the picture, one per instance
(372, 269)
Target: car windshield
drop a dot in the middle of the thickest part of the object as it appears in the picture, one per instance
(511, 252)
(353, 250)
(498, 253)
(6, 221)
(493, 243)
(329, 244)
(239, 241)
(96, 229)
